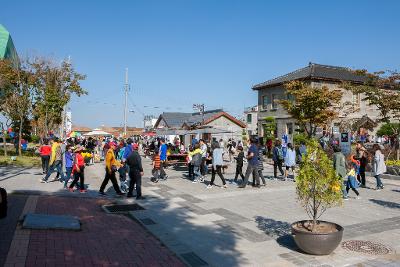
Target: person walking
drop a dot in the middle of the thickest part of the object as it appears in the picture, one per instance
(239, 164)
(277, 157)
(260, 164)
(290, 160)
(163, 158)
(112, 166)
(217, 163)
(351, 177)
(203, 167)
(156, 166)
(196, 156)
(78, 170)
(379, 166)
(55, 161)
(252, 166)
(339, 164)
(135, 173)
(361, 155)
(45, 152)
(69, 164)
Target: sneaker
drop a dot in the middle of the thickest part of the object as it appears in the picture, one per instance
(241, 186)
(43, 181)
(358, 197)
(194, 182)
(224, 186)
(209, 186)
(345, 198)
(202, 179)
(156, 181)
(71, 189)
(102, 193)
(83, 191)
(382, 187)
(378, 189)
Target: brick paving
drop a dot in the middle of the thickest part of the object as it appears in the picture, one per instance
(105, 240)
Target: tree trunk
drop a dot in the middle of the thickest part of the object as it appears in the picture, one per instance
(4, 140)
(20, 136)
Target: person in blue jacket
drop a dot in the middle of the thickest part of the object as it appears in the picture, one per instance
(163, 158)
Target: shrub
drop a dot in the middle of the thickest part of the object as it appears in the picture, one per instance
(318, 187)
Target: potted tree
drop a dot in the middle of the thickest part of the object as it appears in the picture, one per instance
(318, 188)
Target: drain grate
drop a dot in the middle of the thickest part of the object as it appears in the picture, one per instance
(122, 208)
(366, 247)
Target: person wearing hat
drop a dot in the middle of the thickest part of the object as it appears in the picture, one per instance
(112, 166)
(78, 170)
(56, 161)
(135, 173)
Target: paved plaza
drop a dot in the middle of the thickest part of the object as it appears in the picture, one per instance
(206, 227)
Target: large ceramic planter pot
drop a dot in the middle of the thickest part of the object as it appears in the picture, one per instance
(315, 243)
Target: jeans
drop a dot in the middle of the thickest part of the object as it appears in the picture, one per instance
(218, 171)
(79, 176)
(110, 176)
(135, 179)
(361, 177)
(378, 181)
(191, 170)
(260, 174)
(57, 165)
(45, 163)
(277, 164)
(203, 166)
(251, 169)
(196, 171)
(163, 174)
(68, 175)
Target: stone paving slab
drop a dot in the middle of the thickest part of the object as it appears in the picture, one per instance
(47, 222)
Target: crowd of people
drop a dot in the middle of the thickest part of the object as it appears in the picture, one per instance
(122, 157)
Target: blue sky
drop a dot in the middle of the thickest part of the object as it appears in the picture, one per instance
(181, 52)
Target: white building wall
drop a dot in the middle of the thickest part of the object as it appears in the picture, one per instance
(225, 124)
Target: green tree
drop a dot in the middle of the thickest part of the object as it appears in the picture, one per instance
(389, 129)
(56, 85)
(311, 107)
(17, 103)
(318, 187)
(269, 128)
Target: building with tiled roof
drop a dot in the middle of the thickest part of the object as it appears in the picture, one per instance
(316, 75)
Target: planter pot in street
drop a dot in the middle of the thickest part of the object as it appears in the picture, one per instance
(323, 241)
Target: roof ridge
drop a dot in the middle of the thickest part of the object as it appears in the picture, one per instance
(282, 76)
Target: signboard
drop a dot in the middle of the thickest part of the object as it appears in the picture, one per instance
(345, 143)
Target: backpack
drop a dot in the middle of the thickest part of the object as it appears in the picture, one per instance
(3, 203)
(279, 153)
(196, 160)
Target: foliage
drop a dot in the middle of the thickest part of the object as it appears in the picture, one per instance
(311, 107)
(392, 163)
(318, 187)
(269, 128)
(21, 161)
(388, 129)
(380, 89)
(35, 139)
(299, 138)
(244, 136)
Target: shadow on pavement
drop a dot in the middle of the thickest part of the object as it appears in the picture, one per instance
(396, 190)
(11, 172)
(278, 230)
(386, 204)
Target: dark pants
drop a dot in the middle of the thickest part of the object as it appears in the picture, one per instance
(218, 171)
(68, 175)
(239, 171)
(79, 176)
(378, 181)
(107, 178)
(163, 174)
(352, 188)
(361, 177)
(203, 166)
(251, 169)
(45, 163)
(57, 165)
(278, 164)
(135, 179)
(260, 174)
(191, 170)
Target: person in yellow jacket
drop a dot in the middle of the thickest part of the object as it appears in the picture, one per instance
(112, 166)
(56, 161)
(195, 155)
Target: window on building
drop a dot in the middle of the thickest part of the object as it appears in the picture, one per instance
(289, 128)
(249, 118)
(266, 100)
(274, 98)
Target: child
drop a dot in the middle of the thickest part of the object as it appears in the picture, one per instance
(351, 177)
(189, 162)
(239, 164)
(156, 166)
(78, 170)
(69, 162)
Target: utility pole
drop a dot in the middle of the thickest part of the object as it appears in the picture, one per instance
(126, 88)
(200, 108)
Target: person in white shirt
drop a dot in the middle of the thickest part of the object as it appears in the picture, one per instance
(290, 160)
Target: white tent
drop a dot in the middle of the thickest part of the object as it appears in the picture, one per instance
(97, 132)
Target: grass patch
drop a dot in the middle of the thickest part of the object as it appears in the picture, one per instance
(21, 161)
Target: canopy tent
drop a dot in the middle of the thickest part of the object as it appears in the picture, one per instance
(74, 134)
(171, 132)
(97, 132)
